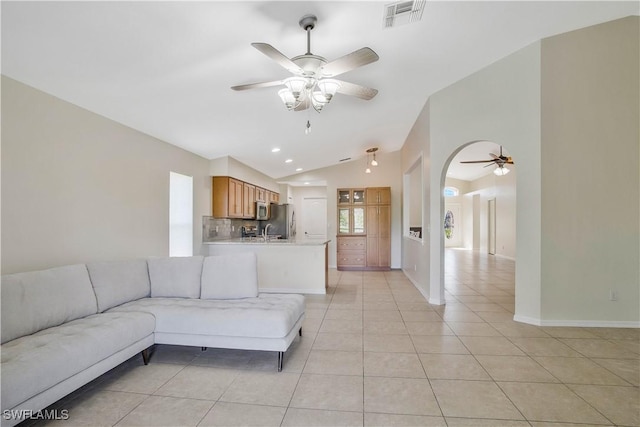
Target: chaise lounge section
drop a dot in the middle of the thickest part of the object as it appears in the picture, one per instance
(65, 326)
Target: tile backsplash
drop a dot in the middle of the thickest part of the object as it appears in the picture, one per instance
(223, 228)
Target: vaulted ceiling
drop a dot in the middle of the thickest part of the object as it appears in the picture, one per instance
(166, 68)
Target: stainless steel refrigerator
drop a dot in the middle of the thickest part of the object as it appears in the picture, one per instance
(282, 220)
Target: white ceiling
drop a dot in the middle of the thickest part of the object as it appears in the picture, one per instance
(166, 68)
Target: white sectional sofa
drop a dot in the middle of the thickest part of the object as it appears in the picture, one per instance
(65, 326)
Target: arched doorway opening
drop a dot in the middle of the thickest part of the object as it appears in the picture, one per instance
(478, 229)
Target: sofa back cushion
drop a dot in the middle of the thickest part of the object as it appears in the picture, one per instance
(117, 282)
(175, 276)
(39, 300)
(230, 276)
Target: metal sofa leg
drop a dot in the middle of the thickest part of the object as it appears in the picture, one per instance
(300, 331)
(280, 359)
(203, 348)
(146, 354)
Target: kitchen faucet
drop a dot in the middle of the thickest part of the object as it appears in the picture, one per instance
(265, 232)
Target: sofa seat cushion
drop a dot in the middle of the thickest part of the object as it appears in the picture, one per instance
(266, 316)
(34, 363)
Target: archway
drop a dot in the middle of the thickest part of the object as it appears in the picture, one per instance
(478, 224)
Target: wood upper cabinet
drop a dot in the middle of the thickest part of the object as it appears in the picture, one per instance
(273, 197)
(378, 196)
(248, 200)
(227, 197)
(351, 196)
(261, 194)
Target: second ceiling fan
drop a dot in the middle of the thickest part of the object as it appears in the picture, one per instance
(313, 84)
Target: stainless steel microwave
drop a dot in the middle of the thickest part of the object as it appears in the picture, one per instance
(262, 210)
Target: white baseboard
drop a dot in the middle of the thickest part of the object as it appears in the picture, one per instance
(578, 323)
(434, 301)
(292, 291)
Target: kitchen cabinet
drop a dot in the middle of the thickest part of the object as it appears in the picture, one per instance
(352, 252)
(378, 195)
(379, 236)
(351, 196)
(273, 197)
(261, 194)
(364, 228)
(248, 200)
(227, 197)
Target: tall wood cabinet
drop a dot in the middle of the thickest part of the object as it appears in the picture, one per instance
(364, 228)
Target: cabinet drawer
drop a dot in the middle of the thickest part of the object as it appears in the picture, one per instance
(352, 243)
(352, 258)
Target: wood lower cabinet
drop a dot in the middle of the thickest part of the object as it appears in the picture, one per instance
(352, 252)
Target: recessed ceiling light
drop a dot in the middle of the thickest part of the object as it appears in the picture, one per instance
(275, 150)
(298, 170)
(288, 161)
(306, 183)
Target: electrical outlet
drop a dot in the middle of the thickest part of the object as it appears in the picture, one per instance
(613, 295)
(216, 228)
(415, 267)
(233, 228)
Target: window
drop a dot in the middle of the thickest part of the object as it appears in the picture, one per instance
(451, 192)
(180, 215)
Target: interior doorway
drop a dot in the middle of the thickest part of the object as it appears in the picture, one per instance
(486, 180)
(314, 221)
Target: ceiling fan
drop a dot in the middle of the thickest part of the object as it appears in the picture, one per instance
(500, 160)
(313, 84)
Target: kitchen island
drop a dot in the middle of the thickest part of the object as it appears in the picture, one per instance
(287, 266)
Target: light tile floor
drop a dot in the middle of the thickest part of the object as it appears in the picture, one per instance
(375, 353)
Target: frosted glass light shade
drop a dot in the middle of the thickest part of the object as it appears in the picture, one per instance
(296, 85)
(287, 98)
(501, 171)
(329, 88)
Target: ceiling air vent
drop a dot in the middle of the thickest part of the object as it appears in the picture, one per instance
(403, 12)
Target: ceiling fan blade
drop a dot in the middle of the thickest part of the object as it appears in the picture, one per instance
(361, 92)
(349, 62)
(257, 85)
(494, 156)
(277, 56)
(478, 161)
(509, 162)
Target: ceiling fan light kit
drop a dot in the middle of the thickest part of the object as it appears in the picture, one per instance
(313, 85)
(501, 170)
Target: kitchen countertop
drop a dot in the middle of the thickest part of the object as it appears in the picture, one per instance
(272, 242)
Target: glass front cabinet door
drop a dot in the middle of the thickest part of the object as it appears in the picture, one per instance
(351, 220)
(351, 196)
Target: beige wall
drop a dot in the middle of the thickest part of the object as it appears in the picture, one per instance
(351, 174)
(416, 254)
(572, 100)
(590, 175)
(77, 187)
(228, 166)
